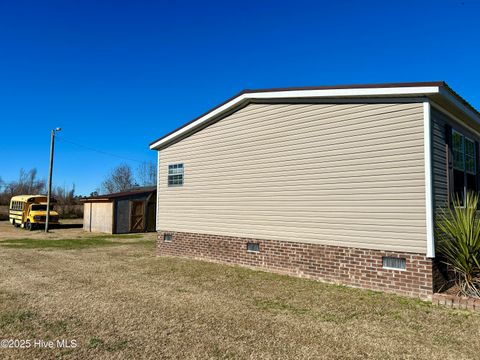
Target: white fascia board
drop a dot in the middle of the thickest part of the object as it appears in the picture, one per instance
(427, 145)
(200, 121)
(454, 118)
(298, 94)
(322, 93)
(465, 109)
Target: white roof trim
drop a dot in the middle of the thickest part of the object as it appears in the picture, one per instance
(465, 109)
(299, 94)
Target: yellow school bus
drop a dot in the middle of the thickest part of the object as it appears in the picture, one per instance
(30, 211)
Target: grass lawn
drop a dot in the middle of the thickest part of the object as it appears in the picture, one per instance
(118, 300)
(70, 244)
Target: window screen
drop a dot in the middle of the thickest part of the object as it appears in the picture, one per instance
(394, 263)
(253, 247)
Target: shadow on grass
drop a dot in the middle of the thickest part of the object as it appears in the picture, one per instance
(68, 226)
(72, 244)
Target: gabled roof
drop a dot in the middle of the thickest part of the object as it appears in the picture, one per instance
(434, 90)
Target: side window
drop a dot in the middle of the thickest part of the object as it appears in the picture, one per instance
(464, 165)
(470, 165)
(175, 175)
(458, 149)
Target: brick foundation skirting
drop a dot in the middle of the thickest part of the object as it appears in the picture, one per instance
(457, 302)
(341, 265)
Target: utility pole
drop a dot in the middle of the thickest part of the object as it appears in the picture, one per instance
(50, 169)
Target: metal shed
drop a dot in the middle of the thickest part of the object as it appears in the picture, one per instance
(123, 212)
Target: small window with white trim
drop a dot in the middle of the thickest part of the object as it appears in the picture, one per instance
(175, 175)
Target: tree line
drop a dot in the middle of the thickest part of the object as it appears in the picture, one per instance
(29, 183)
(120, 178)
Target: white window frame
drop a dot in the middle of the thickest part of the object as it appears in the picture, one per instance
(182, 174)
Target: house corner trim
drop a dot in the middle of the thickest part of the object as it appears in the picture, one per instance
(427, 127)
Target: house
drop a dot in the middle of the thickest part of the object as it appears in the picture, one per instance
(123, 212)
(337, 183)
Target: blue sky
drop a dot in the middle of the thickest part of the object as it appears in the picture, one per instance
(116, 75)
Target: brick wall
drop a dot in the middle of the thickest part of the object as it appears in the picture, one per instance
(342, 265)
(457, 302)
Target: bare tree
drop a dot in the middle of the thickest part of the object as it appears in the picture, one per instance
(120, 179)
(147, 173)
(65, 196)
(3, 197)
(27, 184)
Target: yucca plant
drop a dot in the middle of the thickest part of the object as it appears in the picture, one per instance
(458, 239)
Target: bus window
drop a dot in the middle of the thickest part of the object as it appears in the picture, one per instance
(39, 207)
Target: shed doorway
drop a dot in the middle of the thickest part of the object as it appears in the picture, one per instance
(151, 207)
(137, 218)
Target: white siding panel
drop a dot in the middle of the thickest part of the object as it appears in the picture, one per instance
(335, 174)
(86, 216)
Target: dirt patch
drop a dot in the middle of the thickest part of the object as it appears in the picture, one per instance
(71, 228)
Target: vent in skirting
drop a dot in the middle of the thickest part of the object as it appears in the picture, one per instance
(394, 263)
(253, 247)
(167, 237)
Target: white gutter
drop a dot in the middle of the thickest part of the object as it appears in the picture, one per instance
(427, 135)
(299, 94)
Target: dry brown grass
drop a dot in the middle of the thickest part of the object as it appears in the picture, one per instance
(123, 302)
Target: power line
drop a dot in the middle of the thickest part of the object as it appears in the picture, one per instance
(98, 151)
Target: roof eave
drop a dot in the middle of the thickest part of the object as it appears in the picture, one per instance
(425, 89)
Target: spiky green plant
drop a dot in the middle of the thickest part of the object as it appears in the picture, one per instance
(458, 239)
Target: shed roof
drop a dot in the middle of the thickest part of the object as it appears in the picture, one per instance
(135, 191)
(433, 89)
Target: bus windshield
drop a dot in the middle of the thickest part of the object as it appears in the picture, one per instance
(38, 207)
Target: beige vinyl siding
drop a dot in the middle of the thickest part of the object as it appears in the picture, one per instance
(335, 174)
